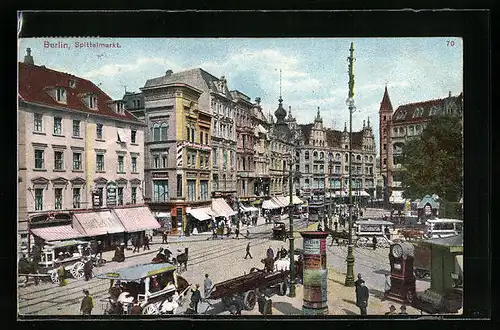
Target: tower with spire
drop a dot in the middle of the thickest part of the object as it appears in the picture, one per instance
(385, 117)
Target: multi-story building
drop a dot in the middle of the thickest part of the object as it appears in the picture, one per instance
(261, 157)
(324, 163)
(407, 122)
(245, 137)
(134, 103)
(74, 141)
(178, 145)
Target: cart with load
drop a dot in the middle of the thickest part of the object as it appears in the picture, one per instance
(279, 231)
(243, 291)
(366, 229)
(154, 288)
(69, 254)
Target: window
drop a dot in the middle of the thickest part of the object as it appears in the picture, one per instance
(418, 112)
(321, 169)
(121, 165)
(159, 132)
(38, 199)
(337, 169)
(133, 135)
(57, 126)
(206, 139)
(93, 102)
(120, 195)
(134, 164)
(201, 137)
(58, 198)
(164, 161)
(160, 190)
(72, 83)
(214, 156)
(38, 123)
(400, 115)
(191, 186)
(76, 128)
(100, 163)
(385, 161)
(119, 108)
(297, 168)
(346, 158)
(99, 131)
(337, 157)
(385, 146)
(412, 131)
(58, 160)
(76, 198)
(395, 130)
(231, 153)
(61, 95)
(307, 168)
(315, 169)
(156, 161)
(418, 129)
(321, 155)
(204, 190)
(39, 159)
(179, 185)
(306, 155)
(134, 195)
(306, 181)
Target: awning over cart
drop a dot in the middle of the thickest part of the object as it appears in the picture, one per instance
(137, 272)
(199, 213)
(97, 223)
(270, 205)
(244, 208)
(221, 208)
(136, 219)
(56, 233)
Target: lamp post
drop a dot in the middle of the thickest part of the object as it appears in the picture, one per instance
(330, 166)
(291, 239)
(349, 279)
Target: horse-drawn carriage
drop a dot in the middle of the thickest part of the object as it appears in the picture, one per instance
(279, 231)
(69, 254)
(166, 256)
(155, 288)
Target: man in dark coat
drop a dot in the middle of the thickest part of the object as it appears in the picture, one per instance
(237, 232)
(362, 295)
(146, 242)
(195, 298)
(136, 243)
(98, 250)
(374, 241)
(87, 269)
(270, 253)
(248, 251)
(165, 237)
(87, 303)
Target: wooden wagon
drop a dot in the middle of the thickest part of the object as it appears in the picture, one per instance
(243, 291)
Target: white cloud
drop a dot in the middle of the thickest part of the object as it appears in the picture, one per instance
(111, 70)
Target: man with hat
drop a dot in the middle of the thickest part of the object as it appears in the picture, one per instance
(87, 303)
(403, 310)
(207, 286)
(392, 310)
(195, 298)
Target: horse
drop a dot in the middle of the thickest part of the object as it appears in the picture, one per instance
(182, 259)
(410, 234)
(28, 267)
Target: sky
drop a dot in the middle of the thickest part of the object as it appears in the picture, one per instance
(314, 71)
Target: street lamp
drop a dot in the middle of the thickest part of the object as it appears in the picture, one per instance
(349, 279)
(330, 167)
(291, 238)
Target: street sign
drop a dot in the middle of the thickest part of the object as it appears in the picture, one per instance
(111, 193)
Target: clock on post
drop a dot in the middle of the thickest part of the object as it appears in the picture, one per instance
(402, 278)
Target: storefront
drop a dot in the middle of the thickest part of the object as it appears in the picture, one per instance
(165, 221)
(136, 221)
(199, 218)
(48, 227)
(220, 208)
(101, 226)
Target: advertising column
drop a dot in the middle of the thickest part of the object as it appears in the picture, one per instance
(315, 273)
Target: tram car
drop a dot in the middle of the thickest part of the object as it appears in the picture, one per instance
(364, 231)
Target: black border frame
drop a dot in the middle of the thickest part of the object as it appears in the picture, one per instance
(472, 25)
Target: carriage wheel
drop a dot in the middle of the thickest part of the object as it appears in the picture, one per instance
(361, 243)
(150, 309)
(77, 270)
(282, 289)
(54, 277)
(249, 300)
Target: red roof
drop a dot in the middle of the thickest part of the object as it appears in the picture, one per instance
(386, 101)
(34, 81)
(405, 112)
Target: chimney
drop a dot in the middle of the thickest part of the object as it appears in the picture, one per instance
(28, 59)
(449, 94)
(168, 73)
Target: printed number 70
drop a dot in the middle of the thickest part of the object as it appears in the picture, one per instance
(450, 43)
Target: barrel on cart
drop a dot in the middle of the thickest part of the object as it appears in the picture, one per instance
(242, 292)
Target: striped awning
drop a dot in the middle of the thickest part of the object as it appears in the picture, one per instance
(220, 208)
(98, 223)
(136, 219)
(270, 205)
(281, 201)
(244, 208)
(199, 214)
(56, 233)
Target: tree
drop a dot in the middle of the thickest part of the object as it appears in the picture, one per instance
(432, 163)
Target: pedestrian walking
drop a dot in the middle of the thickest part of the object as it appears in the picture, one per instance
(136, 243)
(61, 273)
(270, 253)
(98, 250)
(87, 269)
(146, 243)
(403, 310)
(237, 232)
(164, 237)
(392, 310)
(248, 232)
(374, 241)
(87, 303)
(207, 286)
(248, 251)
(195, 298)
(336, 224)
(362, 295)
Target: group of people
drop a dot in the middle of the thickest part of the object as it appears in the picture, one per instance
(136, 242)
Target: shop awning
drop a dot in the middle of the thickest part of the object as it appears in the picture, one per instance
(296, 200)
(244, 208)
(57, 233)
(270, 205)
(199, 214)
(98, 223)
(221, 208)
(162, 214)
(136, 218)
(281, 201)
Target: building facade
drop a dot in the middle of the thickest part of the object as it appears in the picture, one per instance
(134, 104)
(262, 144)
(73, 142)
(178, 145)
(407, 122)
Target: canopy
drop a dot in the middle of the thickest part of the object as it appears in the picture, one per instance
(295, 200)
(97, 223)
(56, 233)
(269, 204)
(136, 218)
(221, 209)
(199, 214)
(137, 272)
(397, 197)
(162, 214)
(428, 200)
(244, 208)
(374, 222)
(282, 201)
